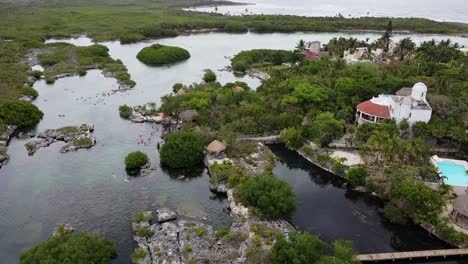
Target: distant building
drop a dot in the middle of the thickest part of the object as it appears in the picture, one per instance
(408, 103)
(313, 46)
(354, 56)
(312, 51)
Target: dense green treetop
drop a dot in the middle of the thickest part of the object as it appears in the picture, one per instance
(273, 197)
(159, 54)
(183, 150)
(304, 248)
(78, 248)
(19, 113)
(135, 160)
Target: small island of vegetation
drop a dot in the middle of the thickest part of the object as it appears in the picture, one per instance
(183, 150)
(160, 55)
(134, 161)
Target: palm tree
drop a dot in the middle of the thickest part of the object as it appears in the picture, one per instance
(376, 141)
(407, 47)
(300, 46)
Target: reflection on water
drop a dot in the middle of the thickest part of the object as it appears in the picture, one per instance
(327, 208)
(90, 188)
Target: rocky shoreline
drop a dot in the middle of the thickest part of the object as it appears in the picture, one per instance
(75, 137)
(4, 139)
(169, 240)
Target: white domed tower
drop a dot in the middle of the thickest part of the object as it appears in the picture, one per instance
(419, 92)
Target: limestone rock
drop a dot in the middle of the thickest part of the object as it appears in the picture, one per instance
(166, 214)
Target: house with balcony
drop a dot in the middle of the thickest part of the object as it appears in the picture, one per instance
(407, 104)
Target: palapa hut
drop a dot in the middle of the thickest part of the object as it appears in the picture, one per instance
(238, 89)
(459, 214)
(216, 149)
(188, 115)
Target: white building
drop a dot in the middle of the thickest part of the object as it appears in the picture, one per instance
(313, 46)
(408, 103)
(354, 56)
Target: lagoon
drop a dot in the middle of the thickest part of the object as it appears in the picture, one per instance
(90, 189)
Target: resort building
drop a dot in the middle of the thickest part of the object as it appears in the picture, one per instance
(408, 104)
(464, 50)
(312, 51)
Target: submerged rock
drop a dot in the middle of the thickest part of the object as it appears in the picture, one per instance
(166, 214)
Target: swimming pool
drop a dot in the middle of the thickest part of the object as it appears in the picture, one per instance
(455, 173)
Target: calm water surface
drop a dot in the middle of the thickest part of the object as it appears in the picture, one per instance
(90, 189)
(449, 10)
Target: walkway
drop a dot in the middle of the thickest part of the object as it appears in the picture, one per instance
(412, 255)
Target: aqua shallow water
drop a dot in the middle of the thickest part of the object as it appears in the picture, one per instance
(90, 189)
(455, 173)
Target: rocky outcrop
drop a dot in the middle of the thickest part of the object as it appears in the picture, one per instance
(5, 135)
(165, 214)
(75, 137)
(184, 241)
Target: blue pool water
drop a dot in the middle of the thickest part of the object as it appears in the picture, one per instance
(455, 173)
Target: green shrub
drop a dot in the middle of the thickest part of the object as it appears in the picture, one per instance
(235, 27)
(80, 247)
(159, 55)
(136, 160)
(176, 87)
(292, 138)
(81, 71)
(20, 113)
(222, 231)
(357, 175)
(272, 196)
(138, 254)
(209, 76)
(140, 217)
(143, 232)
(301, 248)
(183, 150)
(29, 91)
(50, 80)
(36, 74)
(125, 111)
(393, 214)
(131, 38)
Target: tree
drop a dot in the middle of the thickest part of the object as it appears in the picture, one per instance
(300, 46)
(136, 160)
(78, 248)
(273, 197)
(292, 138)
(19, 113)
(419, 200)
(125, 111)
(176, 87)
(183, 150)
(329, 128)
(357, 175)
(386, 39)
(300, 248)
(209, 76)
(407, 48)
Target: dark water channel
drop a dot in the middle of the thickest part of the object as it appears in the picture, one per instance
(90, 189)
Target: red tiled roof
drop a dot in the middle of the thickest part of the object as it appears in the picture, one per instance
(368, 107)
(312, 56)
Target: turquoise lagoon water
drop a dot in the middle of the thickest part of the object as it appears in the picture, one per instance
(455, 173)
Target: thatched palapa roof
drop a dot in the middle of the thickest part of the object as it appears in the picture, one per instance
(216, 147)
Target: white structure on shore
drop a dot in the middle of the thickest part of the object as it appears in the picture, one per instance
(408, 104)
(313, 46)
